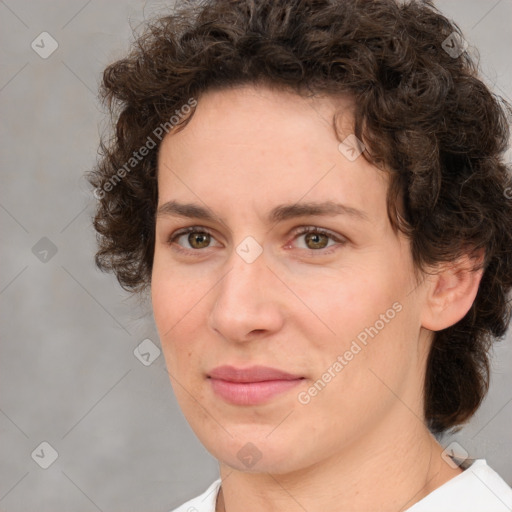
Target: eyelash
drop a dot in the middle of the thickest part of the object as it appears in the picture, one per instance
(300, 231)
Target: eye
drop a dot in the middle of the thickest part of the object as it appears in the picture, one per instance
(314, 238)
(311, 238)
(193, 238)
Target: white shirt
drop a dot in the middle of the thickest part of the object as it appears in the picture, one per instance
(477, 489)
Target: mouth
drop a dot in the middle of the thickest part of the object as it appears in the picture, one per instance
(251, 386)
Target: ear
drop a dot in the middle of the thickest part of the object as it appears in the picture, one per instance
(451, 291)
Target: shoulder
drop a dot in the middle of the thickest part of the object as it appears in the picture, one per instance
(202, 503)
(478, 489)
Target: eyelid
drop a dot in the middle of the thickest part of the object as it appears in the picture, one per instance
(303, 230)
(295, 233)
(190, 229)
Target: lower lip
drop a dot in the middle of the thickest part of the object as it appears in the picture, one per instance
(251, 393)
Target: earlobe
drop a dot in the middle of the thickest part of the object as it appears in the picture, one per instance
(452, 291)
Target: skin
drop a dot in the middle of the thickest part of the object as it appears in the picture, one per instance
(361, 442)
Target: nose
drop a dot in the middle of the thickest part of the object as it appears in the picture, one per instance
(246, 301)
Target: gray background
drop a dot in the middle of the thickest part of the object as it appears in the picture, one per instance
(68, 374)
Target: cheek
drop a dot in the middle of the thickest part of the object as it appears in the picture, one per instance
(356, 382)
(345, 303)
(173, 296)
(176, 305)
(178, 325)
(361, 316)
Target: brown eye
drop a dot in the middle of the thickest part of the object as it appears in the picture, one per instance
(316, 240)
(193, 239)
(199, 240)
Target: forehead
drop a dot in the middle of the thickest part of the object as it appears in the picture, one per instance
(256, 145)
(256, 115)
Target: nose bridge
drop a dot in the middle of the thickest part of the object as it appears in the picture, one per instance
(244, 283)
(243, 301)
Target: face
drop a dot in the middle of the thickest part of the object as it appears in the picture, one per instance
(273, 248)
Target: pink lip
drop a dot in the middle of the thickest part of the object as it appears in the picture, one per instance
(250, 386)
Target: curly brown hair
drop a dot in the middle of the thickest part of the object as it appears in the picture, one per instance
(421, 109)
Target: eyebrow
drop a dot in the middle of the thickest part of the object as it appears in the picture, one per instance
(278, 214)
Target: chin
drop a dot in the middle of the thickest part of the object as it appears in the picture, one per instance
(256, 453)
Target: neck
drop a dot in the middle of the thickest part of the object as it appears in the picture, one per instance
(373, 476)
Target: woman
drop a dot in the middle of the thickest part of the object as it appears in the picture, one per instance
(314, 192)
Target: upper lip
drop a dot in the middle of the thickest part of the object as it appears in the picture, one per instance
(251, 374)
